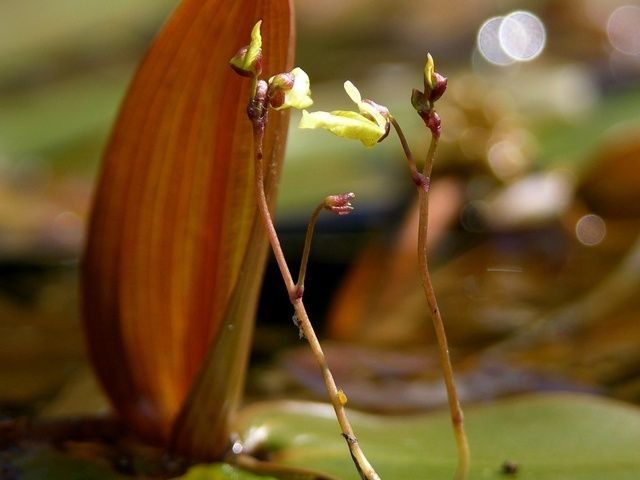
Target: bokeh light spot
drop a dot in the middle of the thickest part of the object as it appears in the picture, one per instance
(591, 230)
(623, 29)
(506, 159)
(489, 42)
(522, 36)
(517, 37)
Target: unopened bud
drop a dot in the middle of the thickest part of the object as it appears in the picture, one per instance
(340, 204)
(276, 99)
(248, 61)
(290, 90)
(439, 87)
(420, 101)
(434, 83)
(429, 68)
(282, 81)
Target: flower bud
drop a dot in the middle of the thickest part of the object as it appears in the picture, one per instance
(290, 90)
(248, 61)
(283, 81)
(429, 68)
(340, 204)
(439, 87)
(420, 101)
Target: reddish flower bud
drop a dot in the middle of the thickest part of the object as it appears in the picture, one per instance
(248, 61)
(290, 90)
(439, 87)
(340, 204)
(241, 67)
(282, 81)
(420, 102)
(276, 99)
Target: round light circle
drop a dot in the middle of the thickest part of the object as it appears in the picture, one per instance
(623, 29)
(489, 43)
(591, 230)
(522, 36)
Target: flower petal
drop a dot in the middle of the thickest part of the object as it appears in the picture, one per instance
(429, 69)
(344, 124)
(364, 107)
(255, 47)
(353, 92)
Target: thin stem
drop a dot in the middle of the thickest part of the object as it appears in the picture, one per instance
(363, 466)
(457, 417)
(307, 247)
(416, 176)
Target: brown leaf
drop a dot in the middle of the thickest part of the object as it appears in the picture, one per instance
(174, 213)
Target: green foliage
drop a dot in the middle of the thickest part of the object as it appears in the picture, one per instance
(549, 437)
(575, 142)
(219, 471)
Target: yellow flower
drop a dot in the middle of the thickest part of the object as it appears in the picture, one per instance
(248, 61)
(369, 125)
(290, 90)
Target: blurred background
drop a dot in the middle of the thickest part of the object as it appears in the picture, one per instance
(535, 201)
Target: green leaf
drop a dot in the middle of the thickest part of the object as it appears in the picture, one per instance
(549, 437)
(220, 471)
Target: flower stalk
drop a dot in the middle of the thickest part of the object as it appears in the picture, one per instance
(338, 204)
(435, 85)
(284, 91)
(371, 125)
(457, 417)
(336, 396)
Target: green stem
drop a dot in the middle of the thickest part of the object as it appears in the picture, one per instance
(416, 176)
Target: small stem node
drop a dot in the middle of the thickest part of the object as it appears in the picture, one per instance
(421, 181)
(297, 293)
